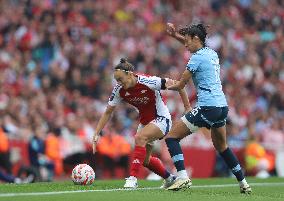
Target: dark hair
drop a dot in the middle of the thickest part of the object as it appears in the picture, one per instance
(124, 65)
(198, 30)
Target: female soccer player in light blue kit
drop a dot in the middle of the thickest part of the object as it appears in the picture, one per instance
(211, 109)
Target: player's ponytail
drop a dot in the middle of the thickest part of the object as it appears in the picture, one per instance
(202, 29)
(124, 65)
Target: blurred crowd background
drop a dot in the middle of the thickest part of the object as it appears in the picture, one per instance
(56, 73)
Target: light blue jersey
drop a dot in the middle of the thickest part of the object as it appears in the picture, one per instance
(205, 68)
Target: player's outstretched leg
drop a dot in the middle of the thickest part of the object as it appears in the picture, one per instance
(182, 180)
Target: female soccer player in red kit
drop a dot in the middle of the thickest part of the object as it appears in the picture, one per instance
(143, 92)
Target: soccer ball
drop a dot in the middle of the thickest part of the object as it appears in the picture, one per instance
(83, 174)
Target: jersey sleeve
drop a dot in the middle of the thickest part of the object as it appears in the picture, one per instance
(153, 82)
(115, 98)
(193, 63)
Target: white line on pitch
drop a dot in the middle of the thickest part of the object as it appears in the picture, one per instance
(123, 189)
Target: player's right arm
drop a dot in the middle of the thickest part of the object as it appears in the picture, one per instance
(102, 122)
(171, 30)
(185, 100)
(113, 101)
(182, 92)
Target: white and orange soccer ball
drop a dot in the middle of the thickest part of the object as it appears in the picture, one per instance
(83, 174)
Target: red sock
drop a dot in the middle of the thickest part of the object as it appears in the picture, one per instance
(139, 155)
(156, 166)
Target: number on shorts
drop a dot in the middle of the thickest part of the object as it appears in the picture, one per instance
(195, 111)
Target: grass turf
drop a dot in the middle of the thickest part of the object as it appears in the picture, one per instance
(202, 189)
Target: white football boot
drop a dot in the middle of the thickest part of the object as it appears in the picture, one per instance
(180, 183)
(131, 182)
(246, 189)
(168, 182)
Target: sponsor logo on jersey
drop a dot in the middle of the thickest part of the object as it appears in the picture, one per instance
(141, 100)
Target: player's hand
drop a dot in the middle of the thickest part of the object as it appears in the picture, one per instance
(95, 141)
(170, 82)
(171, 30)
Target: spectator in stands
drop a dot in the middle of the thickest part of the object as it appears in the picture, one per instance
(258, 161)
(273, 137)
(114, 151)
(38, 159)
(70, 137)
(9, 178)
(5, 162)
(52, 150)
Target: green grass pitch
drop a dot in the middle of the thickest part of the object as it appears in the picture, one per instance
(214, 189)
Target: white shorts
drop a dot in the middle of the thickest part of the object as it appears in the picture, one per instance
(162, 123)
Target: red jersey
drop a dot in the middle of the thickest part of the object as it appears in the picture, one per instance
(145, 96)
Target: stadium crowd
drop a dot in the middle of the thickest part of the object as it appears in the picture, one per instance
(57, 57)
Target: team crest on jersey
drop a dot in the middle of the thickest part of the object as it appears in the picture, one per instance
(127, 94)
